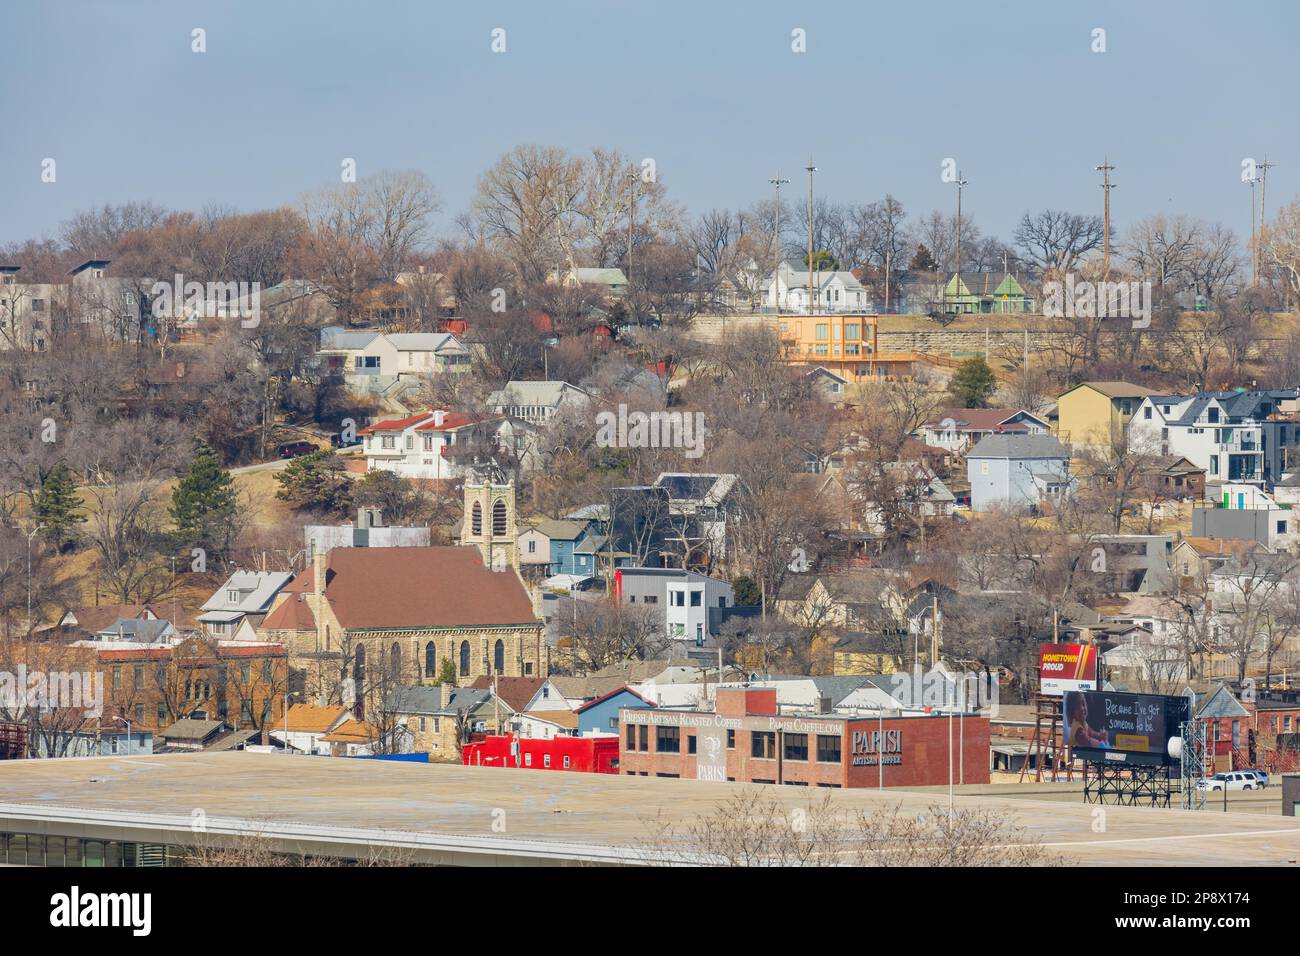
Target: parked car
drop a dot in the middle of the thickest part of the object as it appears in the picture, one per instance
(1236, 780)
(292, 449)
(1260, 775)
(338, 441)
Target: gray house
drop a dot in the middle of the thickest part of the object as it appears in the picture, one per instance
(1021, 472)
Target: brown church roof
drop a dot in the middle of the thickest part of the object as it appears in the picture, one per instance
(293, 614)
(423, 587)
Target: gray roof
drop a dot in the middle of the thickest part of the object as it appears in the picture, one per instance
(533, 393)
(560, 530)
(429, 699)
(189, 729)
(1018, 446)
(1222, 704)
(256, 589)
(336, 337)
(136, 629)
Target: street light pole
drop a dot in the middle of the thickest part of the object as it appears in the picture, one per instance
(778, 182)
(31, 534)
(811, 169)
(961, 184)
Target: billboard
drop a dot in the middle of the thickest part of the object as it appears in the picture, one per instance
(1063, 667)
(1105, 726)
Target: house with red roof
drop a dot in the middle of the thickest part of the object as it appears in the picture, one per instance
(436, 444)
(958, 429)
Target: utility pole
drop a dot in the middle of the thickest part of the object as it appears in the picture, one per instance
(631, 220)
(778, 182)
(961, 184)
(1106, 186)
(1254, 243)
(811, 169)
(1264, 167)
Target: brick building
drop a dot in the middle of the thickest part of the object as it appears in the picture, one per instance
(746, 739)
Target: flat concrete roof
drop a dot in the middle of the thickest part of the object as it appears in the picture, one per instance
(446, 813)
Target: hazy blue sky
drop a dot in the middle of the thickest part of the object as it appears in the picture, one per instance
(710, 90)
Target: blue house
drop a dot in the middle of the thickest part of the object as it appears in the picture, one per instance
(601, 715)
(1021, 472)
(555, 548)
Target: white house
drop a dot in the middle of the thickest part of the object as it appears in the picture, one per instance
(537, 402)
(434, 444)
(1235, 436)
(245, 594)
(375, 359)
(957, 429)
(836, 292)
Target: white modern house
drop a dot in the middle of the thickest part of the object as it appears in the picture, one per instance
(832, 291)
(683, 598)
(1249, 437)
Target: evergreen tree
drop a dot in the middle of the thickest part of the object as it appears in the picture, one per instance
(204, 503)
(973, 383)
(316, 482)
(447, 672)
(56, 507)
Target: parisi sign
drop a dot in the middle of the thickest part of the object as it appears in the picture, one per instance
(870, 748)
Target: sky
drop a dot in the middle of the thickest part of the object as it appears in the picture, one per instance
(713, 92)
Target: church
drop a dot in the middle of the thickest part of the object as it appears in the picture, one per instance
(386, 617)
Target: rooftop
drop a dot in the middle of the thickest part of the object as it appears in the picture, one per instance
(445, 812)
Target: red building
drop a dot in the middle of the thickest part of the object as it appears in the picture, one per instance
(583, 754)
(747, 740)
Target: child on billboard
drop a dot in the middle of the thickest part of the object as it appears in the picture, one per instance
(1078, 733)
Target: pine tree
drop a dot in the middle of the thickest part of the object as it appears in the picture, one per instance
(56, 507)
(973, 383)
(204, 503)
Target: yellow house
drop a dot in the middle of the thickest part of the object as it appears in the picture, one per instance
(1096, 413)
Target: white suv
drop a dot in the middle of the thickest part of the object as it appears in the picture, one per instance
(1237, 780)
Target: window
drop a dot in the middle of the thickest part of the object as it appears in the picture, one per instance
(851, 331)
(476, 519)
(499, 656)
(631, 737)
(566, 763)
(1146, 413)
(428, 443)
(532, 546)
(389, 442)
(499, 519)
(828, 749)
(430, 660)
(528, 760)
(464, 658)
(668, 740)
(643, 742)
(690, 744)
(731, 740)
(697, 598)
(651, 599)
(1214, 464)
(822, 331)
(677, 598)
(762, 744)
(546, 760)
(1281, 527)
(699, 633)
(796, 746)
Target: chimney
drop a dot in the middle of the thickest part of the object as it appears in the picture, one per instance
(439, 417)
(318, 560)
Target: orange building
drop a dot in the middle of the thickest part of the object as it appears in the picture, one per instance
(848, 345)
